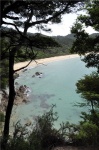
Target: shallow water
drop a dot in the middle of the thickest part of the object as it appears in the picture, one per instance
(56, 86)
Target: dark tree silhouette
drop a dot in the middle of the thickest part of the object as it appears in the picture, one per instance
(87, 45)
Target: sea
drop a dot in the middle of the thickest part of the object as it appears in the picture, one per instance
(56, 85)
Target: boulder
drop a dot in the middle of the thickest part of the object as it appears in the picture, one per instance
(33, 76)
(24, 70)
(16, 75)
(37, 73)
(22, 88)
(16, 83)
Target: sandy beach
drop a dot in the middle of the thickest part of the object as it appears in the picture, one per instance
(44, 61)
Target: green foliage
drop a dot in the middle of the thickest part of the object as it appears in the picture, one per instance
(4, 73)
(62, 48)
(18, 140)
(88, 134)
(65, 42)
(4, 70)
(84, 43)
(20, 45)
(89, 89)
(1, 117)
(92, 19)
(1, 121)
(44, 135)
(90, 117)
(17, 144)
(68, 131)
(88, 131)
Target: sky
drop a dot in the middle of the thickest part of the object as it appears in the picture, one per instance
(64, 27)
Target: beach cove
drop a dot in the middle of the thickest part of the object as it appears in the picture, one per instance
(56, 86)
(43, 61)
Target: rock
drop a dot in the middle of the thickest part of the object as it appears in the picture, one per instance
(33, 76)
(24, 100)
(16, 75)
(37, 73)
(16, 83)
(22, 88)
(4, 94)
(4, 100)
(20, 97)
(24, 70)
(28, 123)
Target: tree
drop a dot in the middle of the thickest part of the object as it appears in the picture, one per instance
(89, 47)
(24, 15)
(85, 44)
(88, 87)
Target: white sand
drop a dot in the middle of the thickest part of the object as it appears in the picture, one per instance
(43, 61)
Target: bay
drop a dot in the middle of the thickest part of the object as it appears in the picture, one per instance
(55, 86)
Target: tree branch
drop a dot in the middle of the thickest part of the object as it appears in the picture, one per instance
(39, 63)
(32, 58)
(20, 33)
(12, 24)
(23, 67)
(14, 18)
(11, 7)
(50, 18)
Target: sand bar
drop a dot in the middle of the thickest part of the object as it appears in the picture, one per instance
(44, 61)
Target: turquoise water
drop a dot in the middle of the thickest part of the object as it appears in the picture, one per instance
(57, 86)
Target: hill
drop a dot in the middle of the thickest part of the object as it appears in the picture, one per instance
(64, 41)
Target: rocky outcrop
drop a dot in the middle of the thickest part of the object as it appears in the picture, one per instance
(4, 100)
(21, 97)
(39, 74)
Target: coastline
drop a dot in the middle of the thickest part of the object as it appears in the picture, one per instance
(36, 62)
(20, 98)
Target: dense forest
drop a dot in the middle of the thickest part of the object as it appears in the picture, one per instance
(19, 46)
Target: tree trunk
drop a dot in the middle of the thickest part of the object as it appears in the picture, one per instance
(10, 101)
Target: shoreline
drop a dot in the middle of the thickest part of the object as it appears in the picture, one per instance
(43, 61)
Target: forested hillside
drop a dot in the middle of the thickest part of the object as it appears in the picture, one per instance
(65, 44)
